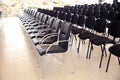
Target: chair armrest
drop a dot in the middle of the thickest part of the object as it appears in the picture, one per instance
(47, 37)
(55, 43)
(45, 30)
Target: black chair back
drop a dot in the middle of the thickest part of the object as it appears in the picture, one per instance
(89, 22)
(100, 25)
(114, 29)
(68, 17)
(81, 21)
(56, 26)
(65, 34)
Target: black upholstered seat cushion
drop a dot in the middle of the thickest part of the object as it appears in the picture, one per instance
(47, 41)
(54, 49)
(115, 50)
(98, 40)
(85, 35)
(39, 35)
(76, 30)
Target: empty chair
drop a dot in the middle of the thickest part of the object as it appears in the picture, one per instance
(43, 22)
(80, 23)
(58, 47)
(62, 45)
(115, 50)
(99, 29)
(54, 29)
(89, 23)
(41, 28)
(74, 22)
(113, 31)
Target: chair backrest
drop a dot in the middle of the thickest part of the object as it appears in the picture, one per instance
(55, 13)
(34, 14)
(114, 29)
(90, 12)
(68, 17)
(80, 11)
(50, 21)
(104, 13)
(37, 15)
(113, 16)
(89, 22)
(41, 16)
(74, 18)
(63, 15)
(97, 12)
(56, 26)
(66, 28)
(45, 18)
(100, 25)
(81, 21)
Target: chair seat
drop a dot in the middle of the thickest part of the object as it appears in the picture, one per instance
(31, 31)
(98, 40)
(85, 35)
(115, 50)
(47, 41)
(33, 35)
(76, 30)
(35, 41)
(54, 49)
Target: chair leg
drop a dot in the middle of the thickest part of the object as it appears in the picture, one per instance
(71, 38)
(88, 49)
(91, 48)
(119, 60)
(78, 46)
(83, 42)
(75, 38)
(108, 62)
(105, 51)
(101, 56)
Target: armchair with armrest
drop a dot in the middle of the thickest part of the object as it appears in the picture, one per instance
(60, 45)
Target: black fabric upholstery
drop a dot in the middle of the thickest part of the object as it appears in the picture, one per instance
(76, 30)
(89, 23)
(53, 49)
(54, 29)
(74, 18)
(100, 25)
(114, 29)
(115, 50)
(36, 41)
(98, 40)
(85, 35)
(62, 46)
(64, 34)
(81, 21)
(68, 17)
